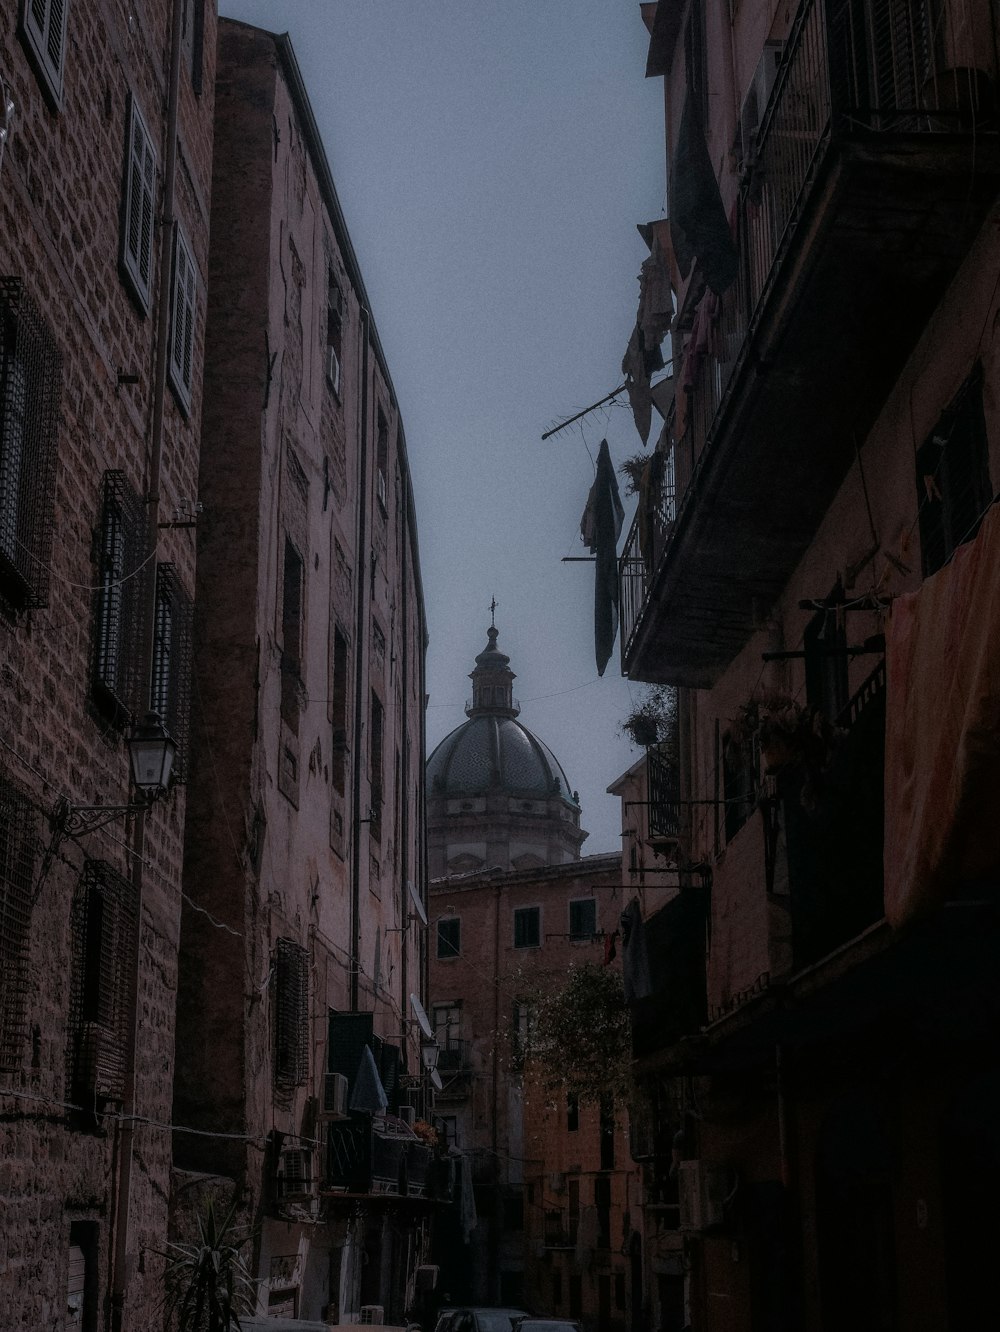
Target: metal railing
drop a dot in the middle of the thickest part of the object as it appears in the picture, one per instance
(849, 68)
(664, 811)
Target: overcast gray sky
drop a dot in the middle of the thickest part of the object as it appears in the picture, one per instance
(493, 160)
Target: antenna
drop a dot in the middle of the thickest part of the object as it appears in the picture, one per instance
(423, 1021)
(418, 906)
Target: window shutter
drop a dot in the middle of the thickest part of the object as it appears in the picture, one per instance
(18, 843)
(182, 321)
(291, 1014)
(45, 29)
(121, 583)
(170, 683)
(140, 189)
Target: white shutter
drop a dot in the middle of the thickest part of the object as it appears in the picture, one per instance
(45, 29)
(182, 314)
(140, 192)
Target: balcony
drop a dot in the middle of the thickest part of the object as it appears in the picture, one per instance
(664, 811)
(376, 1156)
(675, 943)
(453, 1057)
(873, 168)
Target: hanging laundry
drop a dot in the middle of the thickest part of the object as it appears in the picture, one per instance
(656, 301)
(368, 1092)
(637, 383)
(600, 528)
(698, 226)
(636, 974)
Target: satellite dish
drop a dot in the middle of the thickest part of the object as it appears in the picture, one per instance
(436, 1080)
(418, 906)
(423, 1021)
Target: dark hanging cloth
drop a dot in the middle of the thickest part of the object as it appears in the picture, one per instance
(699, 229)
(636, 976)
(600, 528)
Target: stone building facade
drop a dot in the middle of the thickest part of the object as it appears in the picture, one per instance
(301, 935)
(815, 575)
(105, 176)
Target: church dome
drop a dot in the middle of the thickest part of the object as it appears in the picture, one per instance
(492, 751)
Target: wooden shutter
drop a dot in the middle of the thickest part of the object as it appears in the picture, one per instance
(140, 191)
(45, 29)
(182, 321)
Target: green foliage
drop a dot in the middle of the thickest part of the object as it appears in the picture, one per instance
(579, 1039)
(653, 721)
(208, 1283)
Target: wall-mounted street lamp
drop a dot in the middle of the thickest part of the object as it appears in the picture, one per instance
(152, 750)
(429, 1051)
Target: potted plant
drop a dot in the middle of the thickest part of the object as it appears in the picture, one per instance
(788, 734)
(653, 721)
(208, 1283)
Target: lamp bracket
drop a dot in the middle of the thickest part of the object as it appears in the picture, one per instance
(79, 820)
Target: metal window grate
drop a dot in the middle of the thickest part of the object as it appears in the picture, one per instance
(30, 388)
(170, 682)
(291, 1014)
(18, 846)
(105, 924)
(120, 597)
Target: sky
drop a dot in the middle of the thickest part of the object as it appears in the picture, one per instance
(493, 160)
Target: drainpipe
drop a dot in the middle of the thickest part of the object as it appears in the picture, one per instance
(123, 1192)
(403, 832)
(360, 652)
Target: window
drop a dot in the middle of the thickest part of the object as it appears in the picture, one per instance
(583, 918)
(953, 479)
(182, 309)
(556, 1291)
(170, 683)
(513, 1211)
(520, 1034)
(574, 1209)
(527, 927)
(43, 23)
(575, 1296)
(572, 1112)
(291, 1015)
(607, 1129)
(105, 930)
(334, 331)
(193, 41)
(118, 614)
(447, 1021)
(139, 205)
(17, 863)
(825, 646)
(602, 1202)
(619, 1290)
(82, 1279)
(448, 1130)
(382, 463)
(377, 738)
(291, 635)
(339, 710)
(449, 937)
(30, 388)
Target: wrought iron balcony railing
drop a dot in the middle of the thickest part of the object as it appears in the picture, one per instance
(872, 72)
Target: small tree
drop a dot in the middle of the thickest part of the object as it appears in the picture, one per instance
(579, 1039)
(208, 1283)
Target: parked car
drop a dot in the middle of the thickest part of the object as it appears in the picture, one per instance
(530, 1324)
(477, 1319)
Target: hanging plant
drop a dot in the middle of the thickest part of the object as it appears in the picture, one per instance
(788, 735)
(631, 471)
(654, 720)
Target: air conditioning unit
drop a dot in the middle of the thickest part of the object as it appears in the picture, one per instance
(755, 102)
(295, 1174)
(408, 1114)
(425, 1277)
(372, 1314)
(703, 1189)
(334, 1096)
(333, 368)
